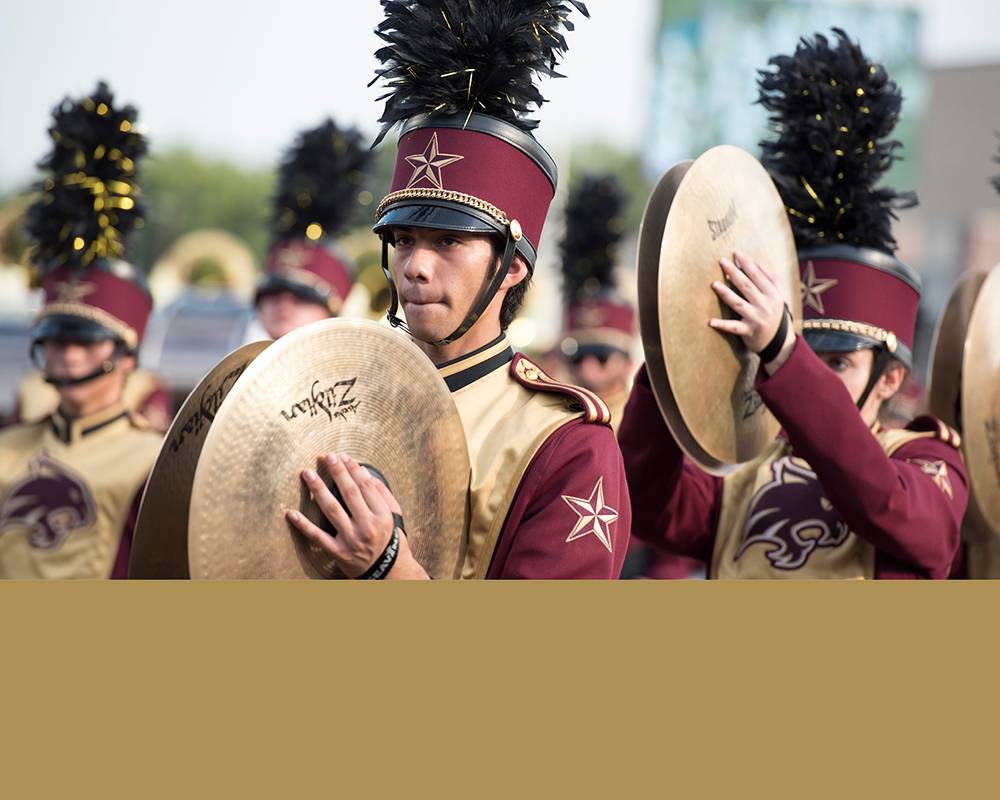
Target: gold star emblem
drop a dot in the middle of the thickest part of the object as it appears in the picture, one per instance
(292, 258)
(429, 163)
(938, 471)
(591, 316)
(74, 292)
(813, 287)
(594, 516)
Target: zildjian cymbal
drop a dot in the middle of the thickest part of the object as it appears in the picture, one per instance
(981, 401)
(339, 385)
(700, 212)
(160, 544)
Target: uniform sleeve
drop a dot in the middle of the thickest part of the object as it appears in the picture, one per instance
(675, 505)
(909, 506)
(571, 516)
(120, 569)
(158, 409)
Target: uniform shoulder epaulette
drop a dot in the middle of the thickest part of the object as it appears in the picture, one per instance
(529, 374)
(139, 422)
(937, 429)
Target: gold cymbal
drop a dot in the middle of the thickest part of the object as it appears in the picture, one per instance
(981, 400)
(945, 389)
(159, 544)
(338, 385)
(704, 382)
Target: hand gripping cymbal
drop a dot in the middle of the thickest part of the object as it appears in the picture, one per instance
(338, 385)
(700, 212)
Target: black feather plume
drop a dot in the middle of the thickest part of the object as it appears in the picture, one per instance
(595, 223)
(321, 182)
(464, 56)
(89, 199)
(831, 111)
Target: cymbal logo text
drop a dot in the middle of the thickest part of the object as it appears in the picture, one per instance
(719, 226)
(335, 401)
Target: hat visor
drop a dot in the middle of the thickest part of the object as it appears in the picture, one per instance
(275, 284)
(70, 328)
(596, 349)
(838, 341)
(822, 341)
(443, 216)
(429, 214)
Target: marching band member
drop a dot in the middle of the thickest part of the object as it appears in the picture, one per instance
(599, 324)
(836, 495)
(464, 216)
(70, 482)
(600, 328)
(307, 276)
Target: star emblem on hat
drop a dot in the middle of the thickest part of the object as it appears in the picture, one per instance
(429, 164)
(290, 258)
(938, 472)
(813, 287)
(591, 316)
(594, 517)
(73, 292)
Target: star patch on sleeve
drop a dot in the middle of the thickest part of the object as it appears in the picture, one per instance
(593, 516)
(938, 471)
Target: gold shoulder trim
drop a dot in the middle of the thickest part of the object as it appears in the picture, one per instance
(529, 374)
(924, 427)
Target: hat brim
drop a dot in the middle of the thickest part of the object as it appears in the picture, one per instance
(70, 328)
(275, 284)
(443, 216)
(824, 341)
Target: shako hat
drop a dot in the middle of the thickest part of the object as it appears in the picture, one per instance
(831, 111)
(87, 205)
(597, 319)
(322, 180)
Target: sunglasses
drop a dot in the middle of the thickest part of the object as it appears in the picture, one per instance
(602, 358)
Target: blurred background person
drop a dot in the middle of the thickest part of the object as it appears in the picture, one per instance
(70, 482)
(307, 275)
(599, 329)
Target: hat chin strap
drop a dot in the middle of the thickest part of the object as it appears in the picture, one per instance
(104, 368)
(882, 359)
(490, 288)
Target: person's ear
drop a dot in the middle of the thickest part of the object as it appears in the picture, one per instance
(516, 272)
(891, 381)
(127, 364)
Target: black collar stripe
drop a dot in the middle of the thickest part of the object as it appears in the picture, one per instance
(462, 379)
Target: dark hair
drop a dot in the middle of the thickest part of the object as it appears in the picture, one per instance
(514, 298)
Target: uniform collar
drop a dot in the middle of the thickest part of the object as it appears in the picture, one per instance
(460, 372)
(69, 430)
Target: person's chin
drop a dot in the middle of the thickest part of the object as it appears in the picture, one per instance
(427, 321)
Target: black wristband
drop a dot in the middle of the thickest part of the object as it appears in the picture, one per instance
(384, 562)
(769, 353)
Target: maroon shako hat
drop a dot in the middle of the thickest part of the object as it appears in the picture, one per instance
(87, 206)
(831, 110)
(322, 184)
(461, 82)
(598, 321)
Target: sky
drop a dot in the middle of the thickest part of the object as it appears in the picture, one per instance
(238, 79)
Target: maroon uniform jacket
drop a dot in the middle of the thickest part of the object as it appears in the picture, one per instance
(548, 495)
(829, 486)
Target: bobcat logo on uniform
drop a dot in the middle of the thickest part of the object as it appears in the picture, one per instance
(791, 517)
(51, 503)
